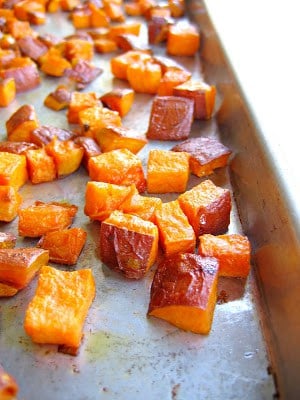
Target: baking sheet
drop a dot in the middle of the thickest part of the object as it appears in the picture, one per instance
(126, 355)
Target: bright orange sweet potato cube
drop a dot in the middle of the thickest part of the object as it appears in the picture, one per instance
(16, 147)
(67, 156)
(175, 232)
(40, 218)
(19, 265)
(144, 76)
(53, 63)
(93, 119)
(10, 201)
(41, 167)
(57, 312)
(23, 8)
(7, 240)
(13, 169)
(102, 198)
(21, 123)
(183, 39)
(166, 173)
(207, 207)
(80, 101)
(7, 91)
(206, 154)
(141, 206)
(170, 79)
(120, 167)
(77, 48)
(184, 291)
(119, 99)
(99, 17)
(232, 251)
(120, 63)
(128, 244)
(64, 245)
(119, 29)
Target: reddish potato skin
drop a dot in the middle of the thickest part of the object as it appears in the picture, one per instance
(16, 147)
(45, 133)
(125, 251)
(21, 115)
(26, 77)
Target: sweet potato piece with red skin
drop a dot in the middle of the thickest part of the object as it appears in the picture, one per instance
(83, 73)
(16, 147)
(18, 266)
(128, 41)
(24, 7)
(32, 47)
(90, 148)
(232, 251)
(25, 73)
(120, 167)
(120, 29)
(7, 91)
(8, 386)
(203, 95)
(184, 291)
(81, 17)
(114, 11)
(102, 198)
(206, 154)
(158, 27)
(170, 118)
(207, 207)
(128, 244)
(183, 40)
(64, 245)
(59, 99)
(57, 312)
(141, 206)
(40, 218)
(10, 201)
(13, 170)
(19, 29)
(176, 235)
(80, 101)
(105, 45)
(115, 137)
(120, 63)
(21, 123)
(144, 76)
(40, 166)
(166, 173)
(7, 240)
(119, 99)
(44, 134)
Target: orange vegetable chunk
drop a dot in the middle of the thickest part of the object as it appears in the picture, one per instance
(44, 134)
(90, 148)
(183, 39)
(16, 147)
(102, 198)
(40, 218)
(105, 45)
(53, 63)
(21, 123)
(64, 245)
(170, 79)
(13, 169)
(207, 207)
(80, 101)
(58, 99)
(40, 166)
(119, 99)
(120, 167)
(128, 244)
(7, 240)
(206, 154)
(141, 206)
(10, 201)
(184, 291)
(7, 91)
(119, 29)
(144, 76)
(167, 173)
(232, 251)
(58, 310)
(24, 71)
(7, 291)
(120, 63)
(18, 266)
(175, 232)
(8, 386)
(171, 118)
(203, 95)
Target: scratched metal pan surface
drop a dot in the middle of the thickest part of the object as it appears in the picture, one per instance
(124, 354)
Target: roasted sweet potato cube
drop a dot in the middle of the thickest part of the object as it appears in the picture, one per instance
(166, 173)
(7, 91)
(18, 266)
(128, 244)
(120, 167)
(19, 29)
(177, 8)
(170, 79)
(93, 119)
(32, 47)
(115, 137)
(158, 27)
(44, 134)
(90, 148)
(7, 240)
(207, 207)
(40, 218)
(10, 201)
(119, 29)
(119, 99)
(183, 39)
(13, 171)
(67, 156)
(120, 63)
(176, 235)
(8, 386)
(24, 71)
(170, 118)
(144, 76)
(53, 63)
(102, 198)
(206, 154)
(141, 206)
(21, 123)
(16, 147)
(81, 18)
(159, 10)
(36, 18)
(64, 245)
(24, 7)
(128, 41)
(7, 290)
(82, 73)
(114, 11)
(105, 45)
(79, 49)
(57, 312)
(232, 251)
(59, 99)
(99, 17)
(203, 95)
(41, 167)
(80, 101)
(184, 291)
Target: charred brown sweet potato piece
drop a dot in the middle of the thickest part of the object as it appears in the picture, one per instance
(10, 201)
(171, 118)
(24, 71)
(8, 386)
(19, 265)
(128, 244)
(7, 240)
(21, 123)
(184, 291)
(43, 135)
(206, 154)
